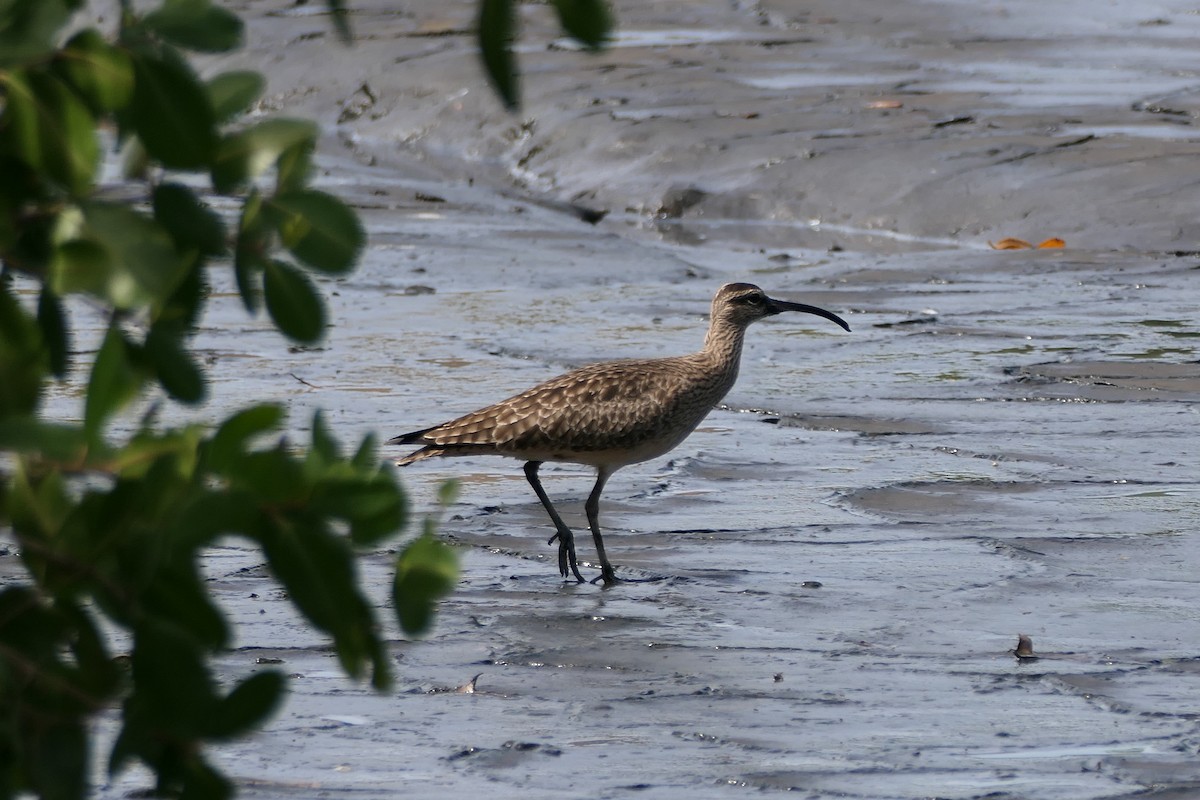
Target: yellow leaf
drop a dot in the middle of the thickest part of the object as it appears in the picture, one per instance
(1010, 244)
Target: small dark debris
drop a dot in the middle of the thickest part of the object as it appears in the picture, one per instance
(811, 585)
(679, 199)
(266, 660)
(466, 751)
(778, 678)
(1155, 108)
(589, 215)
(429, 198)
(1073, 142)
(1024, 650)
(925, 320)
(965, 120)
(418, 289)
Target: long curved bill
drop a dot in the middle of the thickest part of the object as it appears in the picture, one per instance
(778, 306)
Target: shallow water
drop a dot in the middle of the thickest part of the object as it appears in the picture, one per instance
(849, 547)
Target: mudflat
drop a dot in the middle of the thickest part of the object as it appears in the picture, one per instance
(849, 549)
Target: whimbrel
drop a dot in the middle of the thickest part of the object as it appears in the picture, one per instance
(609, 415)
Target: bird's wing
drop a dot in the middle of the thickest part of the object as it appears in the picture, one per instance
(594, 407)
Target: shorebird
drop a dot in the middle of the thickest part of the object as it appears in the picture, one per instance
(609, 415)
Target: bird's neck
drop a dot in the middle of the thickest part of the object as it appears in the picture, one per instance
(723, 345)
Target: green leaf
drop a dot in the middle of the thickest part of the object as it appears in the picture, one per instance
(29, 29)
(22, 362)
(171, 113)
(217, 513)
(201, 781)
(168, 457)
(448, 493)
(196, 25)
(81, 265)
(184, 305)
(180, 598)
(175, 367)
(98, 675)
(100, 73)
(587, 21)
(173, 691)
(318, 229)
(293, 302)
(38, 509)
(57, 441)
(248, 705)
(374, 509)
(273, 476)
(53, 322)
(293, 167)
(48, 127)
(250, 253)
(317, 569)
(325, 449)
(120, 255)
(114, 382)
(56, 755)
(367, 454)
(426, 571)
(135, 161)
(232, 93)
(497, 26)
(231, 439)
(244, 156)
(191, 223)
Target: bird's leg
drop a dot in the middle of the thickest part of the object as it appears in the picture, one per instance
(566, 540)
(592, 507)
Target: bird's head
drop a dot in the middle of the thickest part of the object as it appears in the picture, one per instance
(743, 303)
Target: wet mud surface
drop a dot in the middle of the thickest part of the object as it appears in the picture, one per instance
(843, 554)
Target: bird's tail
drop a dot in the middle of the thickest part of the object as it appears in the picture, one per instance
(420, 455)
(414, 437)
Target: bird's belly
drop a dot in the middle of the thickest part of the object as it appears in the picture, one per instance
(614, 457)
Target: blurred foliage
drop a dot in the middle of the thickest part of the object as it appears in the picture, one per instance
(588, 22)
(111, 527)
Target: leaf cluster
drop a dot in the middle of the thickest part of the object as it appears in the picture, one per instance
(588, 22)
(111, 528)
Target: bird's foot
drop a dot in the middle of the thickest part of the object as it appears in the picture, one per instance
(567, 562)
(607, 576)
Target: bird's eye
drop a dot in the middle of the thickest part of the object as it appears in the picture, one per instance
(754, 299)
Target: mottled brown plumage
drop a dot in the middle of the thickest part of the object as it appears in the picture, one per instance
(611, 414)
